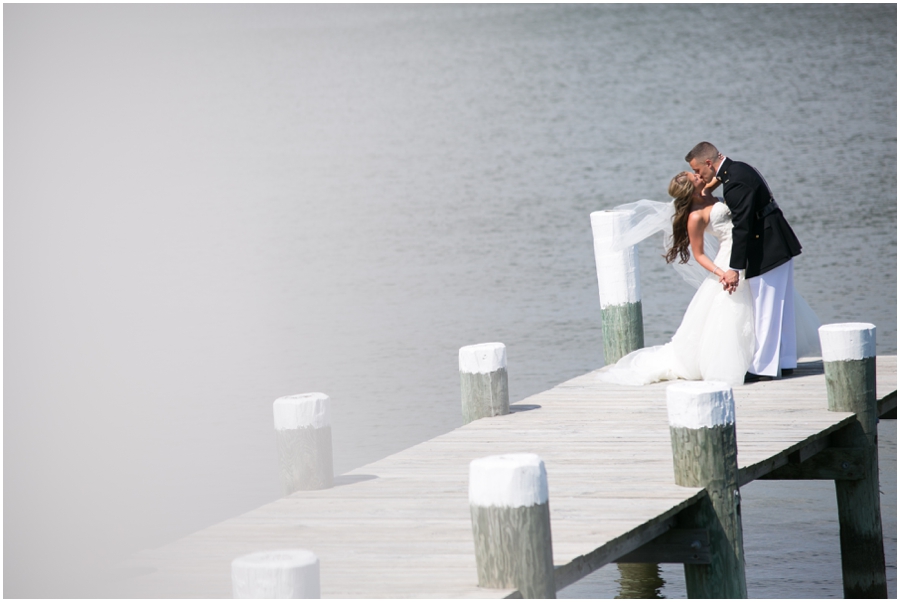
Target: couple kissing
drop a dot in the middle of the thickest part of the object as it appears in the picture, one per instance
(746, 322)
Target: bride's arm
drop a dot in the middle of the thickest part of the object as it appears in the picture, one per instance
(696, 225)
(711, 186)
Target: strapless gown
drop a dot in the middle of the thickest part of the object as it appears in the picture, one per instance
(715, 340)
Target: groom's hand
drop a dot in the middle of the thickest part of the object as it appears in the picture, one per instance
(730, 280)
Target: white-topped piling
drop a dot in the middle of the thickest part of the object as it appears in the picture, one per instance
(276, 574)
(619, 284)
(848, 356)
(483, 381)
(303, 437)
(704, 451)
(699, 404)
(509, 503)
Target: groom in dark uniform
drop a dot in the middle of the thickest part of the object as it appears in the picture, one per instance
(763, 245)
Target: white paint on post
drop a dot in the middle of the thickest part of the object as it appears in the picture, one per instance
(508, 481)
(483, 358)
(304, 410)
(276, 574)
(699, 404)
(618, 272)
(845, 342)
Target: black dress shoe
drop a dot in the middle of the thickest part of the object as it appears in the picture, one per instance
(755, 378)
(787, 371)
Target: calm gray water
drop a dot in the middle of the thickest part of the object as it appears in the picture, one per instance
(208, 207)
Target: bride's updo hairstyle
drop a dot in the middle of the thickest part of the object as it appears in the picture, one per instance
(681, 189)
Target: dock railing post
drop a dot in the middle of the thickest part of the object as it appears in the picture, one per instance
(618, 280)
(848, 355)
(704, 450)
(303, 437)
(483, 382)
(508, 499)
(276, 574)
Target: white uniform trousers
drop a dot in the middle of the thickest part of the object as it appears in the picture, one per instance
(773, 315)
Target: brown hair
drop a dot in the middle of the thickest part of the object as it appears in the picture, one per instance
(681, 189)
(702, 151)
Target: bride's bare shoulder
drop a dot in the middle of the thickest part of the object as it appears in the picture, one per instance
(700, 214)
(697, 221)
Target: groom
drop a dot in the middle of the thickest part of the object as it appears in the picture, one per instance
(763, 245)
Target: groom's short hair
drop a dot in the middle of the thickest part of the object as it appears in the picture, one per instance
(702, 151)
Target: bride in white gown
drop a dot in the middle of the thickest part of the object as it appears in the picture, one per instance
(715, 340)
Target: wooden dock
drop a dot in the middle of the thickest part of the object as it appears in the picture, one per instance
(400, 527)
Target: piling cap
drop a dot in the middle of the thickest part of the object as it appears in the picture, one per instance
(483, 358)
(699, 404)
(618, 271)
(276, 574)
(304, 410)
(509, 481)
(609, 225)
(848, 341)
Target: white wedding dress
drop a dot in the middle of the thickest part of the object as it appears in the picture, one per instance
(715, 340)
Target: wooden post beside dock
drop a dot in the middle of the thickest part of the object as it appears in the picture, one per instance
(618, 280)
(303, 436)
(639, 581)
(483, 382)
(848, 355)
(704, 449)
(276, 574)
(508, 499)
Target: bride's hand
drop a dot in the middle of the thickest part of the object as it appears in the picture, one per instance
(712, 185)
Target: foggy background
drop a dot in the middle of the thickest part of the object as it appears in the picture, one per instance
(208, 207)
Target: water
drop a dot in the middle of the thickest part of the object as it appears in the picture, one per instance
(209, 207)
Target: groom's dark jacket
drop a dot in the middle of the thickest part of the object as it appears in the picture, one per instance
(761, 238)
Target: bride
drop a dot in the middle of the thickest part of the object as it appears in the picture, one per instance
(715, 340)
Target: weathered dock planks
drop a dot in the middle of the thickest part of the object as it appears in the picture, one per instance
(401, 527)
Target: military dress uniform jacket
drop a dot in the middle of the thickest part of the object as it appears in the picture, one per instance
(761, 238)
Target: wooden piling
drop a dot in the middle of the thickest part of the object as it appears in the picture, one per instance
(303, 438)
(618, 280)
(639, 581)
(276, 574)
(508, 500)
(483, 382)
(848, 354)
(704, 449)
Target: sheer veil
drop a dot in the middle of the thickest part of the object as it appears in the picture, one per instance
(651, 217)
